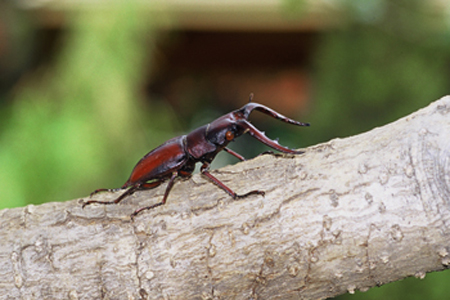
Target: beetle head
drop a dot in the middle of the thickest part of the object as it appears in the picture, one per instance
(230, 126)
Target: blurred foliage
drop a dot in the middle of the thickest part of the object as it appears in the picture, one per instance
(388, 60)
(433, 286)
(17, 46)
(78, 125)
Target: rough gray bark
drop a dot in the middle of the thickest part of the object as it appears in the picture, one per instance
(348, 214)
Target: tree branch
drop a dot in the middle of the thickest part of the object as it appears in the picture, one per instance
(349, 214)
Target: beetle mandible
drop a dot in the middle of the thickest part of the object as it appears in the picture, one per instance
(177, 157)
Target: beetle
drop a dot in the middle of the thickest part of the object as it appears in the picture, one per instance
(177, 157)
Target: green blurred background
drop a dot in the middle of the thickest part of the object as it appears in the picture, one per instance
(87, 89)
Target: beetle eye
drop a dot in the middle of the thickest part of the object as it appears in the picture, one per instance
(229, 135)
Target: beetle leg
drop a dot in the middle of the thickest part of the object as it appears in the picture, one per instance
(166, 194)
(104, 190)
(243, 158)
(234, 153)
(130, 191)
(205, 170)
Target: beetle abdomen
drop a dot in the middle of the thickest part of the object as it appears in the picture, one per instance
(160, 162)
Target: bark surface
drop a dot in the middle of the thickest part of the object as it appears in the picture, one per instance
(349, 214)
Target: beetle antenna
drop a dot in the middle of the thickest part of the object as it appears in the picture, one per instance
(250, 98)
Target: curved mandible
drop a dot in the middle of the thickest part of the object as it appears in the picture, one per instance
(248, 108)
(260, 136)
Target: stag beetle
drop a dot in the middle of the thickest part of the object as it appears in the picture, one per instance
(178, 156)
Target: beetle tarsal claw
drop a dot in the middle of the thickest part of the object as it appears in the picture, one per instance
(255, 192)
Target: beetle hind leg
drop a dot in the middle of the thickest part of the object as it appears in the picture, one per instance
(103, 190)
(128, 192)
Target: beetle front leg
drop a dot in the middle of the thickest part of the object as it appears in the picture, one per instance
(205, 171)
(241, 157)
(234, 154)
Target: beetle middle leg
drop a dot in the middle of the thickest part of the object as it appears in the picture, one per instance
(205, 171)
(166, 194)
